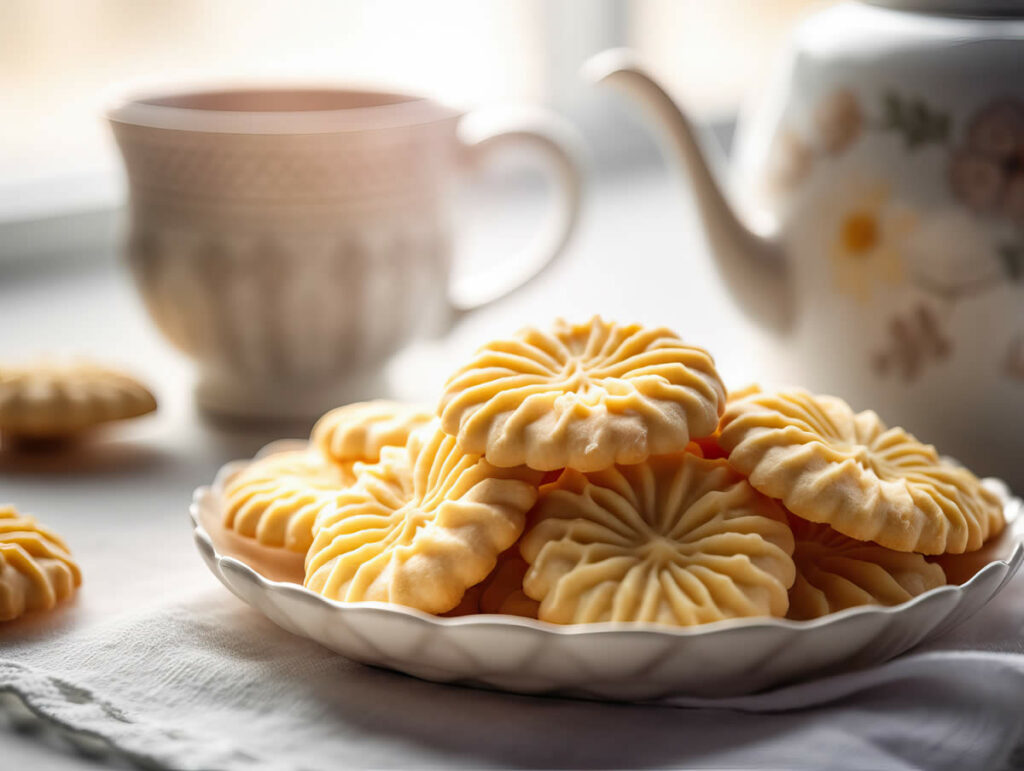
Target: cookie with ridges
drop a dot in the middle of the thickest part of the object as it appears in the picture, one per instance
(582, 396)
(36, 568)
(54, 399)
(675, 540)
(830, 465)
(419, 527)
(834, 572)
(358, 432)
(276, 498)
(961, 568)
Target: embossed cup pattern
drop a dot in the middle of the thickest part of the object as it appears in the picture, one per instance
(267, 309)
(286, 265)
(292, 248)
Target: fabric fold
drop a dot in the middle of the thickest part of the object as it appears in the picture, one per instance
(208, 683)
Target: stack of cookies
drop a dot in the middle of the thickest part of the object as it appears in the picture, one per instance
(599, 472)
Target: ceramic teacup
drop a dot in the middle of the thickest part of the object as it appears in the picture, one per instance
(292, 240)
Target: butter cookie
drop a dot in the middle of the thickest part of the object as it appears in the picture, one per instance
(675, 540)
(36, 568)
(582, 396)
(834, 572)
(419, 527)
(53, 400)
(831, 465)
(277, 497)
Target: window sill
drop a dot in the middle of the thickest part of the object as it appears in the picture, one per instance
(64, 218)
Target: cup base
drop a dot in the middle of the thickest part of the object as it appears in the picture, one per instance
(244, 401)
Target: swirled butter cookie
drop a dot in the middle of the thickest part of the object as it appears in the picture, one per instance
(357, 432)
(834, 572)
(675, 540)
(51, 400)
(276, 498)
(582, 396)
(36, 568)
(420, 527)
(830, 465)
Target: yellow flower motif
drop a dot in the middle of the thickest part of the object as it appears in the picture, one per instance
(868, 240)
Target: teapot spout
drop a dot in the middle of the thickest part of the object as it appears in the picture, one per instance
(752, 264)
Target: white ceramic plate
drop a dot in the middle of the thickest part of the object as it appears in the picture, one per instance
(607, 661)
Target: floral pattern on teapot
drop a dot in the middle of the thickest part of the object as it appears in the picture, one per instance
(970, 245)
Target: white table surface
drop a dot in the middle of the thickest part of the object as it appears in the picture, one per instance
(121, 502)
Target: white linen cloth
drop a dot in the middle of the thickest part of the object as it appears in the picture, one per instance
(205, 682)
(196, 680)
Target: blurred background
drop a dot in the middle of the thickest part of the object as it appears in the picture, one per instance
(62, 61)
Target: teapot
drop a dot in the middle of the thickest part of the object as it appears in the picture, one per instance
(875, 216)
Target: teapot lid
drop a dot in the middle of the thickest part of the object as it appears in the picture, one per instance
(975, 8)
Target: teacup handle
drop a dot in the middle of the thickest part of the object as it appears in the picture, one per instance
(561, 147)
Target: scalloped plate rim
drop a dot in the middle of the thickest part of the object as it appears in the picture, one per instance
(1010, 565)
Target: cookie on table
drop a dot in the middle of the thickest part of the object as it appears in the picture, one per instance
(419, 527)
(582, 396)
(36, 568)
(56, 400)
(358, 432)
(831, 465)
(834, 572)
(674, 540)
(276, 498)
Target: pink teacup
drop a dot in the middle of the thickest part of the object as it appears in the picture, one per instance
(292, 240)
